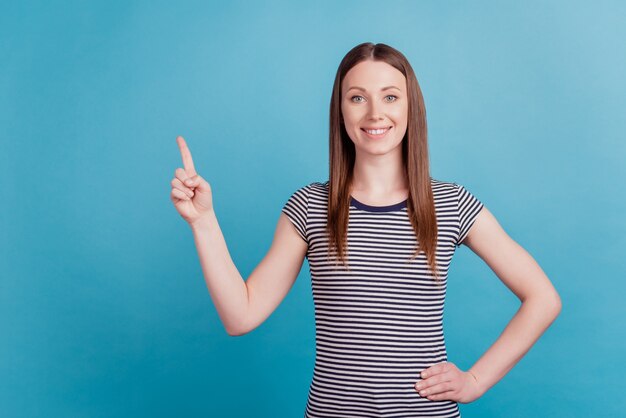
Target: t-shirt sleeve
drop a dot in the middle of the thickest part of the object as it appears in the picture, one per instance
(296, 209)
(469, 207)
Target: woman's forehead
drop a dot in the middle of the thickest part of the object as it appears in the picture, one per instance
(373, 76)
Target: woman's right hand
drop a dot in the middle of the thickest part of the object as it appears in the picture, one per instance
(191, 194)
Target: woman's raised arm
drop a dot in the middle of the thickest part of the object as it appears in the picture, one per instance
(241, 305)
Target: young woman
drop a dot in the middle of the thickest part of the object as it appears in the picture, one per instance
(379, 236)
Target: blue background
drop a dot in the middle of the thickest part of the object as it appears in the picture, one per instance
(103, 308)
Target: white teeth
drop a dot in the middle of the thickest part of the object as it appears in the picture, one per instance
(376, 131)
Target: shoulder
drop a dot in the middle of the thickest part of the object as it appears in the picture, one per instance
(314, 185)
(318, 185)
(310, 191)
(443, 190)
(442, 187)
(317, 190)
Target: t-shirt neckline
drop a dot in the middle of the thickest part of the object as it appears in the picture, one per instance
(370, 208)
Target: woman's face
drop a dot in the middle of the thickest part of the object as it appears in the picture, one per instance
(374, 97)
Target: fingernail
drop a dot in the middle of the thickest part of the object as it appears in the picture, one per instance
(188, 181)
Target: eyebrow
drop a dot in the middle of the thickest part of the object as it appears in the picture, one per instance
(383, 89)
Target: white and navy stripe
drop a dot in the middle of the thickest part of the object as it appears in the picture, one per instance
(380, 322)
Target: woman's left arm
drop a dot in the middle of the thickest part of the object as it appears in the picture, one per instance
(540, 306)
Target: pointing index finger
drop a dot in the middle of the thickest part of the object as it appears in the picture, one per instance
(186, 154)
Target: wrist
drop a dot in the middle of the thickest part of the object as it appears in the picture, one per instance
(478, 384)
(204, 222)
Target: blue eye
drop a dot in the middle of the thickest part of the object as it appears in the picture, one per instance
(390, 95)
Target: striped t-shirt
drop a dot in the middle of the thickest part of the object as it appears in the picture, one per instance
(380, 323)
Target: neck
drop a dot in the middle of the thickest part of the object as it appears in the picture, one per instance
(379, 175)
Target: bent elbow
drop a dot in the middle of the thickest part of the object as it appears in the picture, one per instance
(558, 305)
(555, 304)
(548, 305)
(235, 332)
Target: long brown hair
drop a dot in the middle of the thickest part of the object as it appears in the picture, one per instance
(420, 203)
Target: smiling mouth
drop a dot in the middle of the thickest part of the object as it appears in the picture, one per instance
(376, 133)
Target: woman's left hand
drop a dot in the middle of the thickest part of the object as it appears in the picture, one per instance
(445, 381)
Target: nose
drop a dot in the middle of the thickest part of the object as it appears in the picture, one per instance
(374, 111)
